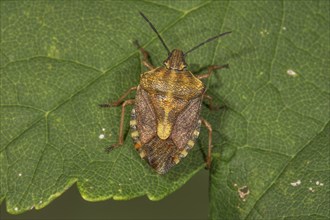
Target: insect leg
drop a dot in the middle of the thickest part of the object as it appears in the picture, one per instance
(209, 128)
(210, 70)
(210, 104)
(145, 60)
(121, 127)
(120, 100)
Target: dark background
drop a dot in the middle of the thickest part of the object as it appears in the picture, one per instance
(189, 202)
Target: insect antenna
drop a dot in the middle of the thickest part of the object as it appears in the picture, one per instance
(208, 40)
(154, 29)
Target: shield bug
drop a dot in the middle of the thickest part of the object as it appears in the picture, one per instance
(165, 120)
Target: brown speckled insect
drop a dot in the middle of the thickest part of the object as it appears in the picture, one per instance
(165, 120)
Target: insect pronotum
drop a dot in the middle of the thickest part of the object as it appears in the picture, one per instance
(165, 120)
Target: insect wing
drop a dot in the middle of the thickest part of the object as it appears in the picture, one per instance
(187, 125)
(145, 117)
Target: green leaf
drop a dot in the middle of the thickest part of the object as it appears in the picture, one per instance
(277, 131)
(60, 60)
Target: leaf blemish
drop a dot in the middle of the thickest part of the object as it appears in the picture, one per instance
(264, 32)
(53, 52)
(311, 189)
(243, 192)
(291, 73)
(297, 183)
(318, 183)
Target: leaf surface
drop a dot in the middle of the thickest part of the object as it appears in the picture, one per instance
(276, 135)
(59, 61)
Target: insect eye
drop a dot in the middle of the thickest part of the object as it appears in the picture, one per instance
(183, 66)
(166, 64)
